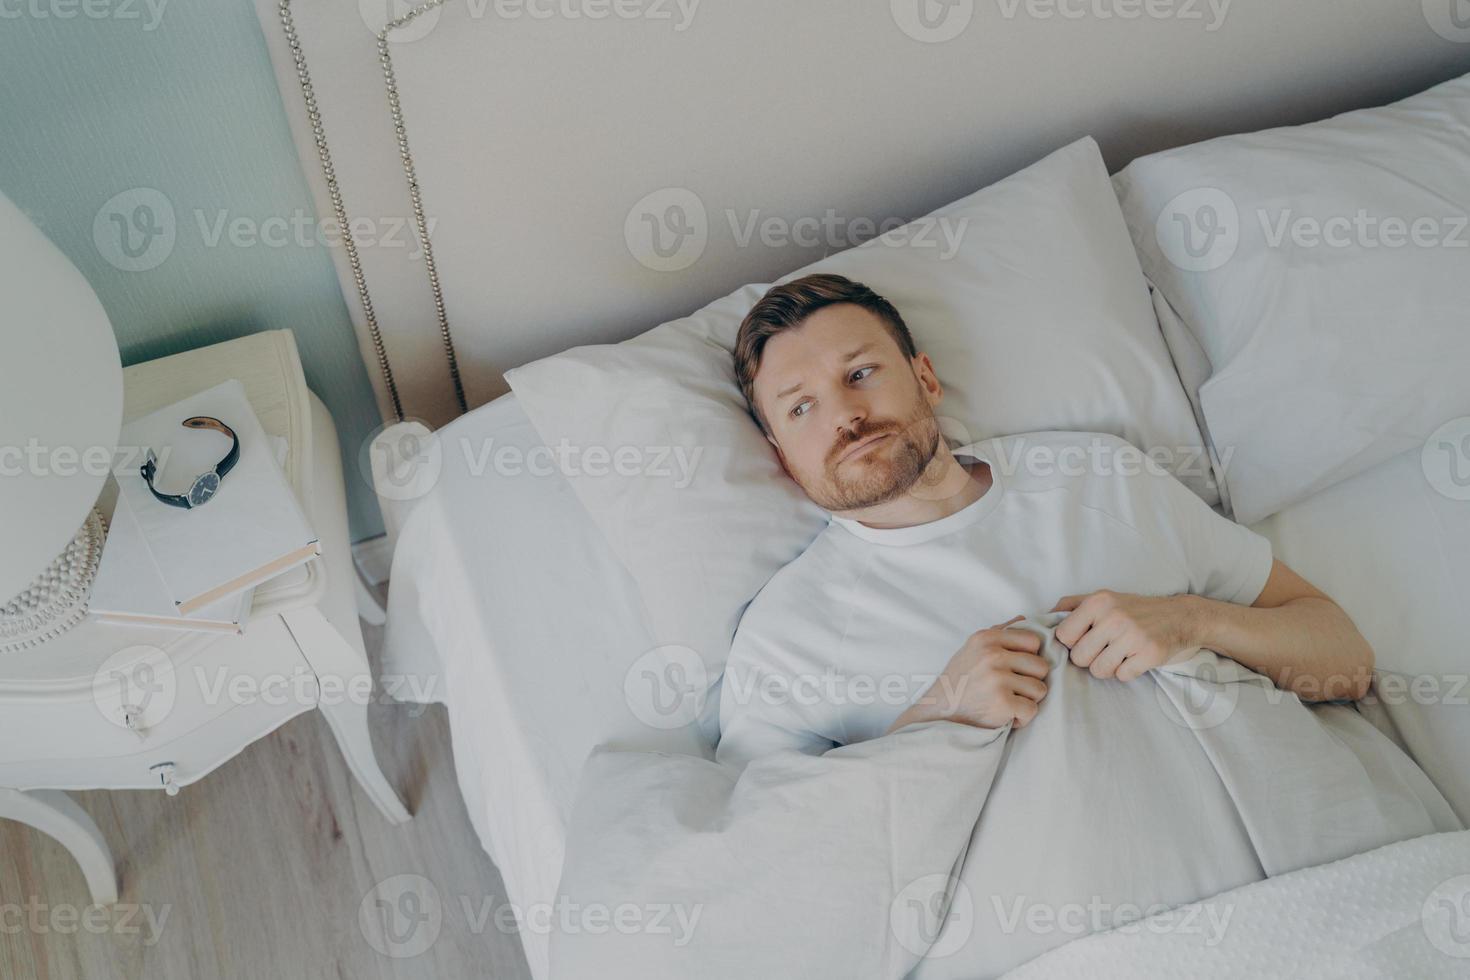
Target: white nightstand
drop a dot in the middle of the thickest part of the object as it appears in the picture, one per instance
(62, 719)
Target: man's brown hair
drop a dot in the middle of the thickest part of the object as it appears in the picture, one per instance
(788, 306)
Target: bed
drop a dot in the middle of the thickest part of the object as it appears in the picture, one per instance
(473, 553)
(511, 600)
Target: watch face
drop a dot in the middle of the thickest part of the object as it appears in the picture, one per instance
(203, 489)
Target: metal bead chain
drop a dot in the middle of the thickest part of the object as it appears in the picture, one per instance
(324, 154)
(413, 191)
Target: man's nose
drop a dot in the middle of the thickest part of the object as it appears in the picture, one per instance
(851, 411)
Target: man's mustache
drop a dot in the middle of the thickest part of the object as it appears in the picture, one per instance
(843, 445)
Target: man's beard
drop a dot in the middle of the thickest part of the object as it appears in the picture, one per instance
(891, 469)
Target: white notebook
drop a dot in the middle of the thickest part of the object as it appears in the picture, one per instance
(129, 590)
(253, 529)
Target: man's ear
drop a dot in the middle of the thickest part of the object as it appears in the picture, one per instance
(924, 371)
(779, 454)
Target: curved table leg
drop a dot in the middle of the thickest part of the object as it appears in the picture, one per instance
(54, 813)
(331, 656)
(329, 634)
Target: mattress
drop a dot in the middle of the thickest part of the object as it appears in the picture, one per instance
(507, 604)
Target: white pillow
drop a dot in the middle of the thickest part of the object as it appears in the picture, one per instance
(1037, 317)
(1326, 278)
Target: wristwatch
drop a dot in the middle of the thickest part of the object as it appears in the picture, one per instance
(205, 484)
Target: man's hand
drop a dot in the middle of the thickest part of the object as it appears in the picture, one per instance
(997, 677)
(1118, 634)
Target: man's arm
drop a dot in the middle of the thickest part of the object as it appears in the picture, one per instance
(747, 734)
(755, 720)
(1292, 633)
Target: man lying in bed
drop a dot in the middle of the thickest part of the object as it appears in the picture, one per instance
(928, 545)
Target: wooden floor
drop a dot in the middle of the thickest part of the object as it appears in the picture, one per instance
(260, 869)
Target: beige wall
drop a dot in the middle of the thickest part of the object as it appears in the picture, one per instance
(538, 140)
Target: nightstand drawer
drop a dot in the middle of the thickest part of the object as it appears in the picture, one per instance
(183, 760)
(142, 697)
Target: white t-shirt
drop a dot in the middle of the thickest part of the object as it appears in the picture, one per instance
(1108, 805)
(844, 638)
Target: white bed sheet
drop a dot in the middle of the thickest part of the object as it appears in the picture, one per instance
(507, 604)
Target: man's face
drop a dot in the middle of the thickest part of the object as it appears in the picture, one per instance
(851, 416)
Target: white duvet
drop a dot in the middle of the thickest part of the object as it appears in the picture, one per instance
(949, 851)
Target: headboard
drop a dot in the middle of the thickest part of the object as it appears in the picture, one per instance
(587, 169)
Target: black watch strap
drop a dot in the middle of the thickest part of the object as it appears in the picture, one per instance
(233, 456)
(149, 469)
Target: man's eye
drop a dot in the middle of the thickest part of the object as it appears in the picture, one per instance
(859, 371)
(800, 409)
